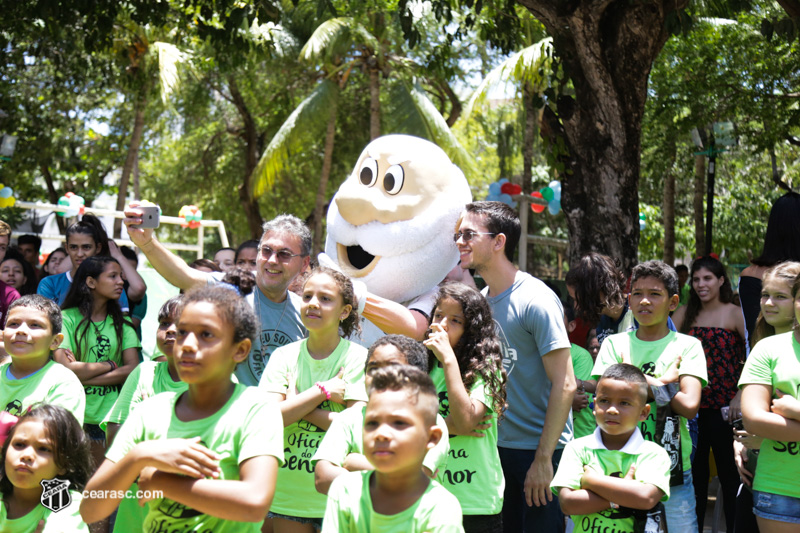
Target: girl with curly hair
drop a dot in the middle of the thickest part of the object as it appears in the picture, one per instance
(470, 380)
(314, 379)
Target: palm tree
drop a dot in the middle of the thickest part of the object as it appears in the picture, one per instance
(340, 45)
(528, 69)
(143, 62)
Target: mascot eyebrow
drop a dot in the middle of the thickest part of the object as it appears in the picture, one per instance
(393, 159)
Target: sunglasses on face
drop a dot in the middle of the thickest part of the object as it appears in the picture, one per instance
(283, 256)
(468, 235)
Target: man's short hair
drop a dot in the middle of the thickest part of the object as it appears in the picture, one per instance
(292, 225)
(628, 374)
(35, 240)
(415, 352)
(659, 270)
(682, 268)
(418, 385)
(499, 218)
(41, 303)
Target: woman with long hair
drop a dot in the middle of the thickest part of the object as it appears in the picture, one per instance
(712, 317)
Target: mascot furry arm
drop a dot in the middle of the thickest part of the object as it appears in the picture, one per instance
(391, 226)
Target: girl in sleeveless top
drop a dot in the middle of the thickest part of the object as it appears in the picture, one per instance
(712, 317)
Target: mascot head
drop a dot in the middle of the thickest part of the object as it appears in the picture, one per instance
(391, 223)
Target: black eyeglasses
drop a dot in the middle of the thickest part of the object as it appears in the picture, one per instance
(284, 256)
(468, 235)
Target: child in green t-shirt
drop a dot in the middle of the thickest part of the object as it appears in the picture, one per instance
(342, 448)
(313, 380)
(100, 345)
(146, 380)
(32, 331)
(470, 381)
(582, 362)
(45, 466)
(399, 429)
(675, 368)
(608, 481)
(206, 459)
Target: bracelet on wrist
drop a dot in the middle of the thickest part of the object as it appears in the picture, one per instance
(325, 391)
(113, 365)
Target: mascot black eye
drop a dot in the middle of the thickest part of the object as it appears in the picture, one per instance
(393, 180)
(369, 172)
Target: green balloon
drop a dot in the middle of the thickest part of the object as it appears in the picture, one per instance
(547, 193)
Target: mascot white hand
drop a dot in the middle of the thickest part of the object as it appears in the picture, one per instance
(391, 224)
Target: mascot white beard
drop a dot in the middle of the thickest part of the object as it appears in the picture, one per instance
(403, 200)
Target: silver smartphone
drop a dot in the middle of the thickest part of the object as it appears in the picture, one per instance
(151, 215)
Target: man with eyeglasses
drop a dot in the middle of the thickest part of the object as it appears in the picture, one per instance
(529, 321)
(283, 252)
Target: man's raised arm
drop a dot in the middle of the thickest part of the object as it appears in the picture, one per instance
(173, 268)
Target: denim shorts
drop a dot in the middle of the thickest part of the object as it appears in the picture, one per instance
(776, 507)
(316, 522)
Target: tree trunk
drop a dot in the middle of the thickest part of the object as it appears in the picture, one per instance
(528, 138)
(327, 162)
(251, 150)
(137, 192)
(374, 102)
(699, 194)
(607, 49)
(52, 195)
(669, 216)
(130, 160)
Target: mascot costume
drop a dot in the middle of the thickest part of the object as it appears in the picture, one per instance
(390, 226)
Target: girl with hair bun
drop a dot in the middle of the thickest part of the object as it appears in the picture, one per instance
(88, 238)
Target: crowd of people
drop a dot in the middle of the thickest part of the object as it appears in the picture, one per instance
(502, 409)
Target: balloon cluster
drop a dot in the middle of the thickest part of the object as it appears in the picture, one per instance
(550, 194)
(6, 196)
(192, 216)
(502, 190)
(76, 205)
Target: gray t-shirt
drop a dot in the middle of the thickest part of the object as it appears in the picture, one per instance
(529, 321)
(280, 325)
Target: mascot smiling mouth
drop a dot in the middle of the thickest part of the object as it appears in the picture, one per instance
(355, 261)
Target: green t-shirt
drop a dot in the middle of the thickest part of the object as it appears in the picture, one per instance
(147, 379)
(350, 510)
(653, 358)
(53, 384)
(775, 361)
(583, 421)
(99, 344)
(246, 426)
(346, 436)
(295, 494)
(474, 474)
(67, 520)
(652, 467)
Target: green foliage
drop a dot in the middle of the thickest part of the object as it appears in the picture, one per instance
(721, 71)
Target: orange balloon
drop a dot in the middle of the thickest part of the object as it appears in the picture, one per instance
(537, 208)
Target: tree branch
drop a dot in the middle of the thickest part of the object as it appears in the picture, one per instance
(792, 7)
